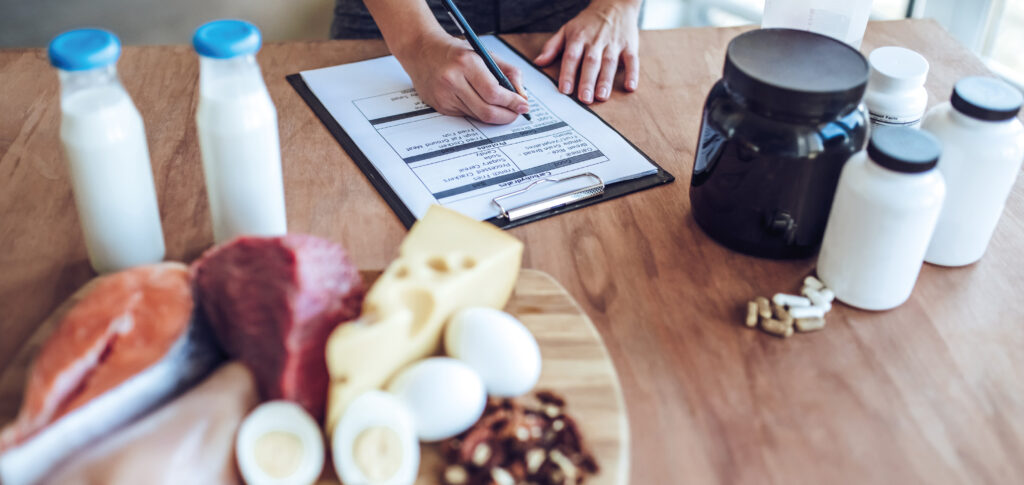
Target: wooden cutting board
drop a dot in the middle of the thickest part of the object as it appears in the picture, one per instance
(575, 364)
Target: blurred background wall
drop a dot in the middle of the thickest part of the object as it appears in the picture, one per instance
(25, 23)
(994, 29)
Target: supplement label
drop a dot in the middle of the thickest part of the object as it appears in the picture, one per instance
(878, 119)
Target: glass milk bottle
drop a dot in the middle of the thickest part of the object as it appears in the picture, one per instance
(983, 148)
(238, 138)
(882, 218)
(105, 144)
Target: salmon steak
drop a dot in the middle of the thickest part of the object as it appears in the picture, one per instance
(122, 344)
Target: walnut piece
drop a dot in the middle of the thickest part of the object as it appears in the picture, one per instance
(516, 442)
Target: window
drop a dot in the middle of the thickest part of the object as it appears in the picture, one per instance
(991, 28)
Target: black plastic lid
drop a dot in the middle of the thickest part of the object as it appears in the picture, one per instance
(986, 98)
(904, 149)
(795, 73)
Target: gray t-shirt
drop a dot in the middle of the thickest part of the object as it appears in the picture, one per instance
(353, 21)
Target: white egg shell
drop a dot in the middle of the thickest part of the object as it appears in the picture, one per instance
(371, 410)
(279, 443)
(444, 395)
(498, 347)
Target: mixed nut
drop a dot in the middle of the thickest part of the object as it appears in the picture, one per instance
(518, 444)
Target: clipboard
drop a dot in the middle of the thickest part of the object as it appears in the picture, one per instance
(508, 217)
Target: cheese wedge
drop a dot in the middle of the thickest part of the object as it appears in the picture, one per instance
(446, 263)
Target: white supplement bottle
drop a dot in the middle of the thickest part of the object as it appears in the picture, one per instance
(238, 137)
(983, 147)
(896, 94)
(883, 215)
(105, 144)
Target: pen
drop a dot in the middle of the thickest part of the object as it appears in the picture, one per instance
(474, 41)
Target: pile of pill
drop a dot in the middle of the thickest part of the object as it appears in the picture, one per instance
(785, 312)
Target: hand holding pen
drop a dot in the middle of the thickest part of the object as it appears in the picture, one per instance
(478, 47)
(446, 72)
(452, 79)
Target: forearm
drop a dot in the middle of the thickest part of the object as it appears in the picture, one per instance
(404, 23)
(445, 71)
(627, 4)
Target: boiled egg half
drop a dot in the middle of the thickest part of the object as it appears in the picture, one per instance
(279, 443)
(375, 442)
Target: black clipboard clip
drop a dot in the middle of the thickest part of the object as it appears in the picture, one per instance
(514, 214)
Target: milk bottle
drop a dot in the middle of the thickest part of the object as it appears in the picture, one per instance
(238, 136)
(105, 144)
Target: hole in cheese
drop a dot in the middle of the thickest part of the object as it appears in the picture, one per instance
(468, 262)
(402, 272)
(421, 303)
(438, 264)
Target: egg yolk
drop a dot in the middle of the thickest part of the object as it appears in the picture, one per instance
(278, 453)
(378, 453)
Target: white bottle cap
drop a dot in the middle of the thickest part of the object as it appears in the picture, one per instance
(897, 68)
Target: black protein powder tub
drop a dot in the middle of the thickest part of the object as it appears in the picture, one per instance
(776, 132)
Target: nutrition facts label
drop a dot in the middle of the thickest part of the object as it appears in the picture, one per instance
(462, 163)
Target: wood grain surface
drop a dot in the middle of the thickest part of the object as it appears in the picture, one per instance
(927, 393)
(575, 364)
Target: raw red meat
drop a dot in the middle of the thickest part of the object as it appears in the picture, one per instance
(272, 302)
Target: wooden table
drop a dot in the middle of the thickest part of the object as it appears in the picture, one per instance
(927, 393)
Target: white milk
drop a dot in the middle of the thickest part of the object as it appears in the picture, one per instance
(241, 153)
(105, 143)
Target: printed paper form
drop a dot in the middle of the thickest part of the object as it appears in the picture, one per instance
(461, 163)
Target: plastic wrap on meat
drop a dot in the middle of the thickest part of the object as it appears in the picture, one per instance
(189, 440)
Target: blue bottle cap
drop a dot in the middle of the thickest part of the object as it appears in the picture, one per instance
(224, 39)
(83, 49)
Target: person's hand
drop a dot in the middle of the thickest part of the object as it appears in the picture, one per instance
(450, 77)
(602, 34)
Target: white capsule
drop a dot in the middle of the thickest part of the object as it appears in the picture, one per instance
(828, 294)
(813, 283)
(818, 299)
(783, 299)
(807, 312)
